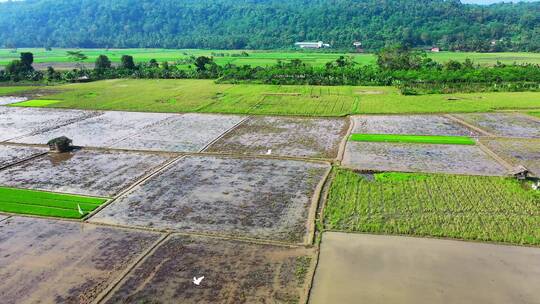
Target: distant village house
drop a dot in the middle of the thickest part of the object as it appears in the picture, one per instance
(312, 45)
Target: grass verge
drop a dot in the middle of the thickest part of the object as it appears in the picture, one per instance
(42, 203)
(425, 139)
(36, 103)
(465, 207)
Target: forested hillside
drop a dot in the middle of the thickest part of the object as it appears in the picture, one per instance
(269, 24)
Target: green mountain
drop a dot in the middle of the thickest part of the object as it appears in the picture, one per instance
(269, 24)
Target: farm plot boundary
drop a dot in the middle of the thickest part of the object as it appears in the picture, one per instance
(426, 139)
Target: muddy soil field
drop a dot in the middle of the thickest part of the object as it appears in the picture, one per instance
(257, 198)
(5, 100)
(410, 124)
(285, 136)
(10, 154)
(17, 122)
(85, 172)
(505, 124)
(101, 131)
(452, 159)
(234, 272)
(524, 152)
(46, 261)
(180, 133)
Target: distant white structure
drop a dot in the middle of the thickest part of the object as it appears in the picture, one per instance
(312, 45)
(357, 44)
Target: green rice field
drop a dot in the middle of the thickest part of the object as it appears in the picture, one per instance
(14, 90)
(205, 96)
(41, 203)
(464, 207)
(447, 140)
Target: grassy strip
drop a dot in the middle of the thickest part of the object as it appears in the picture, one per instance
(46, 203)
(37, 103)
(447, 140)
(537, 114)
(464, 207)
(14, 89)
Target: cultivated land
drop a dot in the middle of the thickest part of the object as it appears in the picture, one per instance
(388, 269)
(426, 139)
(517, 151)
(505, 124)
(236, 272)
(59, 59)
(62, 262)
(46, 203)
(84, 172)
(5, 100)
(205, 96)
(10, 154)
(465, 207)
(433, 158)
(249, 198)
(285, 136)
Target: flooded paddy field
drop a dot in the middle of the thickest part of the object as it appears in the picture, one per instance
(10, 154)
(85, 172)
(285, 136)
(409, 125)
(100, 131)
(430, 158)
(256, 198)
(358, 268)
(234, 272)
(17, 122)
(504, 124)
(47, 261)
(180, 133)
(6, 100)
(515, 151)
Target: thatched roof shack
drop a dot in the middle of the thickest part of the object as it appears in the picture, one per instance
(60, 144)
(520, 172)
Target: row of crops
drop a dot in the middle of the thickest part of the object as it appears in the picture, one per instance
(465, 207)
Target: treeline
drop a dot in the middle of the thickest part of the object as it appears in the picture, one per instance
(269, 24)
(412, 71)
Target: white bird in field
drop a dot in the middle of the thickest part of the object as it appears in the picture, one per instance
(197, 281)
(269, 152)
(80, 210)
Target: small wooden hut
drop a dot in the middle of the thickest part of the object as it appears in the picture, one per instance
(520, 172)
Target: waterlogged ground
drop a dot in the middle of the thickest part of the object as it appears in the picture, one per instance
(452, 159)
(258, 198)
(85, 172)
(6, 100)
(285, 136)
(10, 154)
(505, 124)
(234, 272)
(410, 125)
(46, 261)
(17, 122)
(524, 152)
(181, 133)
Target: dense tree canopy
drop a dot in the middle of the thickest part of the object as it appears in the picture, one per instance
(267, 24)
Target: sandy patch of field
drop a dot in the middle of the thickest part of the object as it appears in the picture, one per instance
(5, 100)
(410, 125)
(258, 198)
(234, 272)
(431, 158)
(387, 269)
(46, 261)
(517, 151)
(100, 131)
(285, 136)
(10, 154)
(16, 122)
(181, 133)
(94, 173)
(504, 124)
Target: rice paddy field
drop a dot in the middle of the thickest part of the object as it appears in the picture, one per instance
(425, 139)
(474, 208)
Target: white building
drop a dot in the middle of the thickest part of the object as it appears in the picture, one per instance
(312, 45)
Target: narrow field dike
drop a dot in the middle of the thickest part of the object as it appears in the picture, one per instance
(493, 209)
(424, 139)
(46, 203)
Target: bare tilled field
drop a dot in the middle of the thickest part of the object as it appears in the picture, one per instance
(86, 172)
(101, 131)
(17, 122)
(257, 198)
(411, 125)
(452, 159)
(517, 151)
(10, 154)
(180, 133)
(234, 272)
(504, 124)
(45, 261)
(285, 136)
